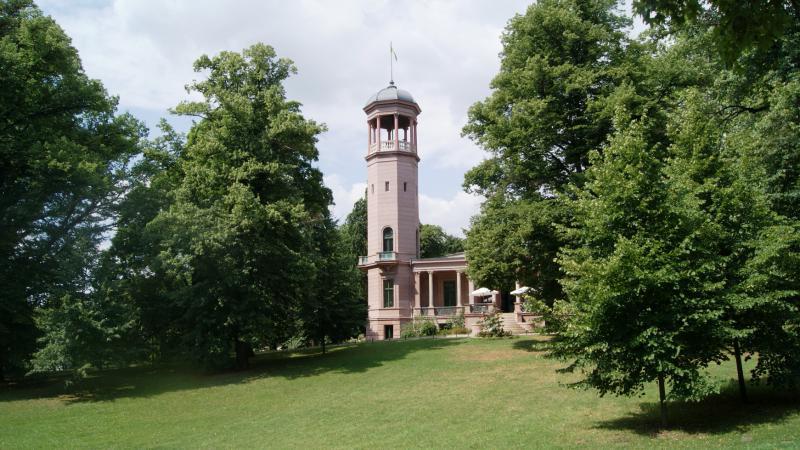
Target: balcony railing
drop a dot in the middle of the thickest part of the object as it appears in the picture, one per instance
(385, 146)
(362, 260)
(387, 256)
(481, 308)
(439, 311)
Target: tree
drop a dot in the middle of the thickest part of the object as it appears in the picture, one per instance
(552, 103)
(63, 151)
(643, 276)
(237, 241)
(354, 229)
(737, 25)
(509, 238)
(336, 309)
(434, 242)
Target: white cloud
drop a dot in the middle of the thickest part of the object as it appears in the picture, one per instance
(452, 214)
(344, 196)
(143, 50)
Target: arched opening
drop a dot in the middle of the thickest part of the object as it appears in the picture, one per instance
(388, 239)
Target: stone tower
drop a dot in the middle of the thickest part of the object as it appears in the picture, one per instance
(392, 210)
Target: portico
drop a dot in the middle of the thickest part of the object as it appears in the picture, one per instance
(442, 288)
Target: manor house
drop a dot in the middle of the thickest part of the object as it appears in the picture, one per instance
(401, 285)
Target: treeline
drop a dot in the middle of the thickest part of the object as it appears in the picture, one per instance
(215, 244)
(649, 185)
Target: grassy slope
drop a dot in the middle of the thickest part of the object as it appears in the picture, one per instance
(426, 393)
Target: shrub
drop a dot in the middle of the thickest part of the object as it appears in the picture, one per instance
(427, 327)
(456, 321)
(454, 330)
(492, 326)
(419, 327)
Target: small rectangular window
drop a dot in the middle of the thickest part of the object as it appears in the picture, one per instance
(404, 186)
(387, 186)
(388, 293)
(388, 331)
(373, 188)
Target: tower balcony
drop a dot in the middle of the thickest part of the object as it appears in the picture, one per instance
(388, 146)
(378, 259)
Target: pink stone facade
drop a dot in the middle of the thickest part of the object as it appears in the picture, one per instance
(400, 285)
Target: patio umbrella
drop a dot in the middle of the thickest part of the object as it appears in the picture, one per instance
(481, 292)
(520, 291)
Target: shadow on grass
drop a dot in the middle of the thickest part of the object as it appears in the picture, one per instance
(538, 344)
(718, 414)
(110, 385)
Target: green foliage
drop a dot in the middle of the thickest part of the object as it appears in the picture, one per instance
(556, 317)
(643, 277)
(737, 25)
(455, 325)
(457, 321)
(565, 67)
(435, 242)
(514, 241)
(240, 252)
(492, 326)
(420, 326)
(354, 228)
(770, 302)
(63, 155)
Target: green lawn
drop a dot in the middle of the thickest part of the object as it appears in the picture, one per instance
(425, 393)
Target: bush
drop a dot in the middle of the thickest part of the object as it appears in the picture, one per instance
(419, 327)
(456, 321)
(453, 331)
(492, 326)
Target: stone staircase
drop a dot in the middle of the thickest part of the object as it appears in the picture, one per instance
(510, 323)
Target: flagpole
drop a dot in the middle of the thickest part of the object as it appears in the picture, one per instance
(391, 63)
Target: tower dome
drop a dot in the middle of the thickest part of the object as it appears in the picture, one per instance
(389, 93)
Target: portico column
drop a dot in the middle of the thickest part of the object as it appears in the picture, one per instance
(430, 289)
(396, 132)
(458, 288)
(417, 291)
(471, 287)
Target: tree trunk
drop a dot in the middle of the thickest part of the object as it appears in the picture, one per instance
(737, 353)
(323, 345)
(243, 352)
(662, 397)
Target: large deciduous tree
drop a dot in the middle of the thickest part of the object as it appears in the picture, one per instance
(643, 275)
(63, 151)
(238, 240)
(564, 66)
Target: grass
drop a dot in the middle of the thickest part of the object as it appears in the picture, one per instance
(466, 393)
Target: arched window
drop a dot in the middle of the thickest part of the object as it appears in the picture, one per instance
(388, 240)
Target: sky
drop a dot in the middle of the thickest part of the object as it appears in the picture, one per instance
(447, 50)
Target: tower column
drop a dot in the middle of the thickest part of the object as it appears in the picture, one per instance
(396, 133)
(430, 290)
(378, 131)
(458, 288)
